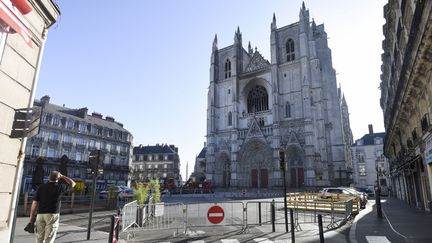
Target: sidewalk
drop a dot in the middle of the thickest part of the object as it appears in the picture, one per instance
(66, 233)
(400, 223)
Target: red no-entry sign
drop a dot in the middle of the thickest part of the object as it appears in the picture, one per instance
(215, 214)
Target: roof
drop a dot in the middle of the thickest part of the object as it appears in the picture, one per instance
(156, 149)
(202, 154)
(369, 139)
(75, 114)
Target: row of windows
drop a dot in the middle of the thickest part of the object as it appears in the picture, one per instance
(77, 155)
(152, 157)
(80, 141)
(154, 166)
(58, 121)
(290, 56)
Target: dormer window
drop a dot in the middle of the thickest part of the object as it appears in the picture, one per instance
(227, 68)
(290, 55)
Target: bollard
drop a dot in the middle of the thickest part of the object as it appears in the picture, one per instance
(72, 200)
(320, 227)
(259, 213)
(272, 208)
(292, 225)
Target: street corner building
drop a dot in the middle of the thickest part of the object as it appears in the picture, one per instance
(292, 103)
(24, 27)
(406, 98)
(160, 161)
(65, 139)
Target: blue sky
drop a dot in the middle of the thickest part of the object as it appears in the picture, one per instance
(146, 63)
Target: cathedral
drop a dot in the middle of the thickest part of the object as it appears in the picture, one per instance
(258, 107)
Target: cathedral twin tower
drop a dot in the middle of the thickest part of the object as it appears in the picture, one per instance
(292, 103)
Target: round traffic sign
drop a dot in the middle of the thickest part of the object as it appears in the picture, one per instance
(215, 214)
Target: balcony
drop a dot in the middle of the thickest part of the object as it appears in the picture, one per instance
(113, 152)
(53, 142)
(123, 153)
(67, 144)
(81, 146)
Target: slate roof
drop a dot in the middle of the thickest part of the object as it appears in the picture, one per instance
(202, 154)
(156, 149)
(75, 115)
(369, 139)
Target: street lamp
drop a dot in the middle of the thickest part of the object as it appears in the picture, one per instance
(378, 191)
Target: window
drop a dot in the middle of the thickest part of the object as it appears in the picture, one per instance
(165, 166)
(48, 119)
(229, 118)
(53, 136)
(56, 120)
(35, 151)
(290, 50)
(149, 166)
(76, 125)
(78, 156)
(227, 68)
(69, 124)
(66, 151)
(257, 99)
(51, 152)
(287, 109)
(67, 138)
(82, 127)
(362, 169)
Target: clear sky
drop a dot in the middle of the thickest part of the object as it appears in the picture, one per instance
(146, 63)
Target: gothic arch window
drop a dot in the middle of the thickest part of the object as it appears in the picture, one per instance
(257, 99)
(290, 50)
(227, 68)
(229, 118)
(287, 109)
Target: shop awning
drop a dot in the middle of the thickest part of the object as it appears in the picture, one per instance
(10, 19)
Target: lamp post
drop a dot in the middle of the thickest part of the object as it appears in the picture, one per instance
(378, 191)
(282, 167)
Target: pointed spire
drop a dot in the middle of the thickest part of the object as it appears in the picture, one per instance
(313, 25)
(237, 36)
(303, 6)
(250, 50)
(215, 43)
(273, 24)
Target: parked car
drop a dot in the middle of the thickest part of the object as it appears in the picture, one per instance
(121, 191)
(333, 191)
(362, 195)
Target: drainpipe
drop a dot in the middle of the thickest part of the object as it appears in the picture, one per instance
(21, 153)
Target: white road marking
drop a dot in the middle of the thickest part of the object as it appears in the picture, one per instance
(377, 239)
(229, 241)
(263, 240)
(196, 241)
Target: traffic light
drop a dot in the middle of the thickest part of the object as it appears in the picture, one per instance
(95, 159)
(282, 160)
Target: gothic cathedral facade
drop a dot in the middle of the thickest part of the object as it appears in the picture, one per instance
(292, 103)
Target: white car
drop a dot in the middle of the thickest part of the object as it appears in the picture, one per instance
(121, 191)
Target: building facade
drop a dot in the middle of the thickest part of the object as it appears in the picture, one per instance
(161, 161)
(23, 33)
(74, 134)
(199, 173)
(369, 161)
(406, 98)
(292, 103)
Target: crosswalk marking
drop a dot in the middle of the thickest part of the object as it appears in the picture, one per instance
(229, 241)
(377, 239)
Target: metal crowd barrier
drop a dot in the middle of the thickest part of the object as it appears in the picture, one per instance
(129, 213)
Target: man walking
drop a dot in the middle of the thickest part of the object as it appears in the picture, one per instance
(47, 203)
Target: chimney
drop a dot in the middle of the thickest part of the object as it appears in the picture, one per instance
(110, 118)
(370, 129)
(45, 100)
(82, 112)
(96, 114)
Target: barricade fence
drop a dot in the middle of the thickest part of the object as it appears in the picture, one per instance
(181, 218)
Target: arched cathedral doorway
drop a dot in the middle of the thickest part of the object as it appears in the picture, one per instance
(255, 164)
(295, 157)
(225, 169)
